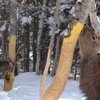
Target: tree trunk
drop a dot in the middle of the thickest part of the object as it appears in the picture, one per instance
(13, 18)
(54, 91)
(56, 88)
(56, 22)
(12, 56)
(8, 83)
(44, 49)
(4, 45)
(27, 48)
(35, 28)
(39, 39)
(56, 59)
(12, 46)
(3, 50)
(94, 21)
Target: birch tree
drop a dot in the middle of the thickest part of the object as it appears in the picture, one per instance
(94, 19)
(39, 38)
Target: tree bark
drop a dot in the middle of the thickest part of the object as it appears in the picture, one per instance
(12, 56)
(13, 18)
(12, 46)
(35, 28)
(94, 21)
(56, 22)
(27, 48)
(56, 88)
(56, 59)
(39, 39)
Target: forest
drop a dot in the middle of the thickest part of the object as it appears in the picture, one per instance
(55, 38)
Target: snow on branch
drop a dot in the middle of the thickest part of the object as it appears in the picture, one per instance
(26, 20)
(83, 10)
(3, 27)
(79, 1)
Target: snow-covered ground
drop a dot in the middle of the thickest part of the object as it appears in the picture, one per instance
(26, 87)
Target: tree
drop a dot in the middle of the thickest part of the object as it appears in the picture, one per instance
(57, 54)
(93, 17)
(27, 47)
(12, 48)
(56, 88)
(12, 56)
(56, 23)
(39, 38)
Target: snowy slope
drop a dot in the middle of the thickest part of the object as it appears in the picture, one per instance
(26, 87)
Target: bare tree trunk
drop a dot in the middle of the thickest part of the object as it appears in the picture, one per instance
(39, 39)
(3, 51)
(13, 18)
(4, 45)
(12, 46)
(75, 73)
(35, 28)
(24, 55)
(94, 21)
(57, 54)
(54, 91)
(27, 47)
(56, 22)
(12, 56)
(56, 88)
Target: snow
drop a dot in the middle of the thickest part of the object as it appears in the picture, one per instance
(57, 31)
(64, 33)
(26, 87)
(17, 13)
(72, 11)
(65, 6)
(62, 19)
(50, 20)
(3, 27)
(26, 20)
(98, 18)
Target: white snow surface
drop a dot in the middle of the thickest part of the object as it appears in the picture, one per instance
(98, 18)
(27, 86)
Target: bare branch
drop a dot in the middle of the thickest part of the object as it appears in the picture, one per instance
(83, 9)
(94, 20)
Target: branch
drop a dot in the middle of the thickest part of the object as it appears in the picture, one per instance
(55, 90)
(56, 22)
(94, 20)
(83, 9)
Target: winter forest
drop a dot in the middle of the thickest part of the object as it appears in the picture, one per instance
(49, 49)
